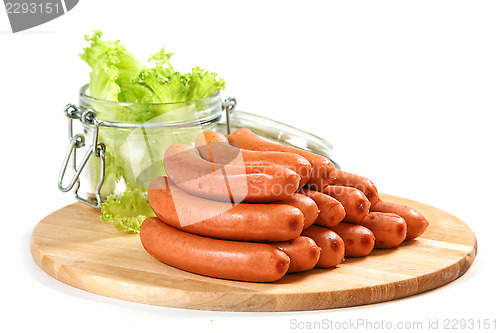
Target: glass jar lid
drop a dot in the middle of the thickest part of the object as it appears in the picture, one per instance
(278, 132)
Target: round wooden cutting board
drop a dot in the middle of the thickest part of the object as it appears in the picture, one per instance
(74, 246)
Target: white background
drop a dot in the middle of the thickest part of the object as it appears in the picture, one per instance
(406, 91)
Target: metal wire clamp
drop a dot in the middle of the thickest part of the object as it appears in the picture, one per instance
(228, 106)
(78, 141)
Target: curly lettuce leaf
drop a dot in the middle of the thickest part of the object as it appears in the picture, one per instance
(202, 83)
(128, 210)
(103, 79)
(113, 66)
(170, 86)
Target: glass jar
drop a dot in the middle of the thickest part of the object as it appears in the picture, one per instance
(126, 141)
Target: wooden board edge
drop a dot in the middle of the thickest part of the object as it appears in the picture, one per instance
(246, 301)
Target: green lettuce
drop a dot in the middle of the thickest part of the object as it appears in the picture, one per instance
(113, 66)
(117, 75)
(128, 210)
(134, 156)
(169, 85)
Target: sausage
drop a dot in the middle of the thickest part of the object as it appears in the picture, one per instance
(331, 245)
(355, 203)
(323, 170)
(416, 223)
(331, 211)
(389, 229)
(244, 222)
(236, 183)
(214, 147)
(363, 184)
(254, 262)
(306, 205)
(303, 252)
(358, 240)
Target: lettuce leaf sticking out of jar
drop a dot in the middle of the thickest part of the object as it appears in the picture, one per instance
(170, 86)
(113, 66)
(128, 210)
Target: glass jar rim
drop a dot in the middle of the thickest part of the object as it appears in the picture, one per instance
(213, 117)
(84, 94)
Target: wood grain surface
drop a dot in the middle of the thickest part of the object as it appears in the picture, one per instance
(74, 246)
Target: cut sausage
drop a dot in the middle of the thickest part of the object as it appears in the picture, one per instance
(245, 222)
(389, 229)
(358, 240)
(303, 252)
(323, 170)
(236, 183)
(331, 211)
(331, 245)
(416, 223)
(355, 203)
(363, 184)
(224, 259)
(306, 205)
(214, 147)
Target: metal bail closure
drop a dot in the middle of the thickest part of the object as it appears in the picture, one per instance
(97, 148)
(229, 105)
(100, 151)
(76, 142)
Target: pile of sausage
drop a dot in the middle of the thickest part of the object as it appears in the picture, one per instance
(244, 208)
